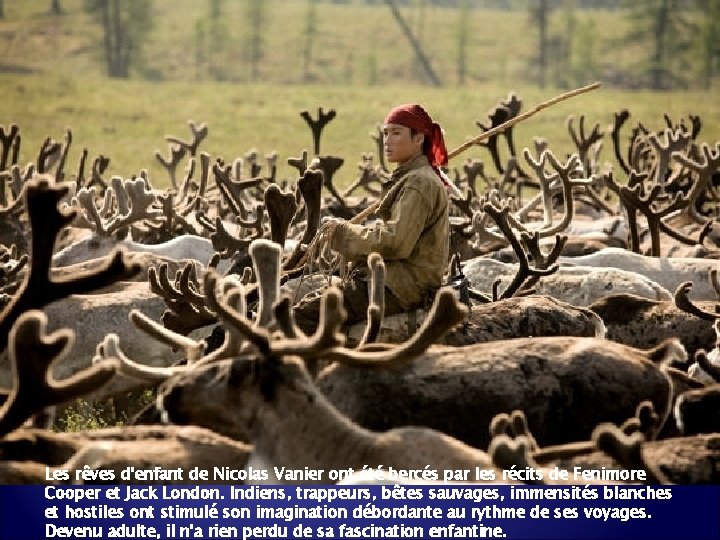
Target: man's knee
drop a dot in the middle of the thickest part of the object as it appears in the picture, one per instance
(307, 313)
(355, 302)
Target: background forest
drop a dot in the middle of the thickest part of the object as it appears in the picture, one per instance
(657, 44)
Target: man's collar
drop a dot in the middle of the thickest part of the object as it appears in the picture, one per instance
(414, 163)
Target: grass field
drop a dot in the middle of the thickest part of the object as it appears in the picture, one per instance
(51, 78)
(127, 120)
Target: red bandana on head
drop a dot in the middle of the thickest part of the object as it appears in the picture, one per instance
(415, 117)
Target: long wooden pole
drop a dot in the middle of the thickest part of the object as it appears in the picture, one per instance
(359, 218)
(519, 118)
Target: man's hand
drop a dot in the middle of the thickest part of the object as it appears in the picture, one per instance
(328, 230)
(331, 221)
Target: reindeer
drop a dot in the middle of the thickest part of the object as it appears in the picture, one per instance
(268, 396)
(581, 381)
(667, 272)
(540, 375)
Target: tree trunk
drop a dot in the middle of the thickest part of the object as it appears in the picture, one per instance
(419, 53)
(124, 24)
(659, 55)
(710, 43)
(256, 20)
(107, 37)
(200, 57)
(215, 41)
(117, 42)
(310, 29)
(462, 42)
(55, 7)
(542, 22)
(2, 9)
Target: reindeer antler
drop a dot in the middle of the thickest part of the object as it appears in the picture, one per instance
(674, 141)
(633, 201)
(584, 142)
(317, 126)
(9, 142)
(683, 302)
(198, 135)
(627, 450)
(183, 314)
(31, 352)
(281, 208)
(310, 187)
(704, 167)
(376, 305)
(38, 289)
(500, 215)
(329, 165)
(141, 199)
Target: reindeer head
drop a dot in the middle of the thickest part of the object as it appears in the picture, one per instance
(260, 369)
(232, 396)
(91, 246)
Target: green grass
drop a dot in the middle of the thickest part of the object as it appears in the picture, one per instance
(127, 120)
(84, 414)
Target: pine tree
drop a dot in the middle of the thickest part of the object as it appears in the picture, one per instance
(125, 27)
(662, 27)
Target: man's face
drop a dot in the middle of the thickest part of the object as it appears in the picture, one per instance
(400, 146)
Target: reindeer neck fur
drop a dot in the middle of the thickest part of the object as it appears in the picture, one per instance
(297, 427)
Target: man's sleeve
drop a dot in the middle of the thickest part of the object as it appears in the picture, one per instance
(393, 239)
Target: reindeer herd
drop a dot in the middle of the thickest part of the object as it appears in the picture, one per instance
(579, 325)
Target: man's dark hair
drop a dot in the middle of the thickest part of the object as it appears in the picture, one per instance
(426, 140)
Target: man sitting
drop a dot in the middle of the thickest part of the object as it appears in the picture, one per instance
(413, 236)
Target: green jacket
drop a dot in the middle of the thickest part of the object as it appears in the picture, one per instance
(413, 236)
